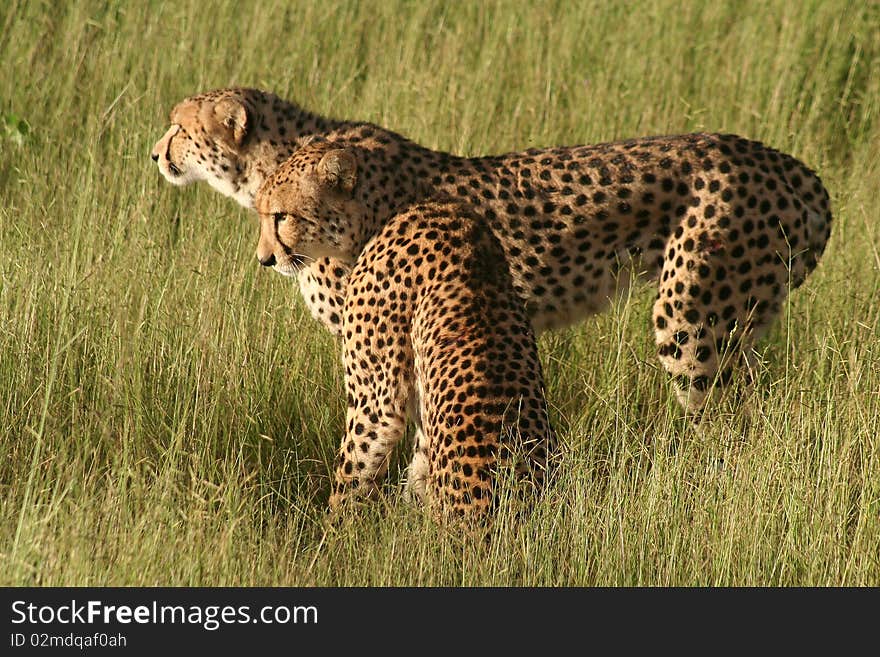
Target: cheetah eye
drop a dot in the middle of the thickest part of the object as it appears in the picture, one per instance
(280, 217)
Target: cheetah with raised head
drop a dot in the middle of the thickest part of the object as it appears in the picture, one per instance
(432, 329)
(727, 226)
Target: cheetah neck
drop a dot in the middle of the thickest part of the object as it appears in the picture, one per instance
(399, 191)
(281, 129)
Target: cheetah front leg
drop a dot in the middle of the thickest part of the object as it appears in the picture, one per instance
(375, 423)
(710, 308)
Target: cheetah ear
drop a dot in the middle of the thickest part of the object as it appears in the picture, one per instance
(338, 167)
(232, 115)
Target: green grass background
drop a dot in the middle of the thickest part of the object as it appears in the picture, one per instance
(169, 411)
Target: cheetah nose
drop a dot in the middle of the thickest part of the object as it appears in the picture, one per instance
(268, 261)
(155, 157)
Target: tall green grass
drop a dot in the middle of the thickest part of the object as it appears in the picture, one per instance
(169, 412)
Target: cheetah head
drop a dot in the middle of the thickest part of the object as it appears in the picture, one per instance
(209, 140)
(308, 210)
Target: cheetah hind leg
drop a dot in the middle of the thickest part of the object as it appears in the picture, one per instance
(416, 489)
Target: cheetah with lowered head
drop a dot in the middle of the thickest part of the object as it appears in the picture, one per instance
(432, 330)
(727, 226)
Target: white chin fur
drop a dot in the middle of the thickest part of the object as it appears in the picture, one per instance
(286, 270)
(180, 179)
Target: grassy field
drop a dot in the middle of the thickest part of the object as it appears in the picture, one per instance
(169, 412)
